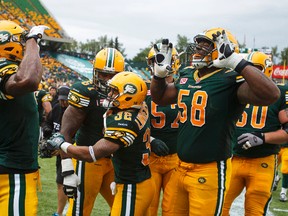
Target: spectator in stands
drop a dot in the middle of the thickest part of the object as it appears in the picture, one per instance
(54, 95)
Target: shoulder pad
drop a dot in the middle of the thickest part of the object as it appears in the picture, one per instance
(8, 70)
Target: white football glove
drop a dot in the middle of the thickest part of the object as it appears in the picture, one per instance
(70, 181)
(70, 185)
(36, 32)
(162, 65)
(226, 55)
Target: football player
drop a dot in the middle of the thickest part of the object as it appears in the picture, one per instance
(211, 96)
(164, 128)
(127, 137)
(84, 115)
(259, 132)
(20, 75)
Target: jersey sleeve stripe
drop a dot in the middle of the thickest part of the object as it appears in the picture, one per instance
(121, 129)
(79, 95)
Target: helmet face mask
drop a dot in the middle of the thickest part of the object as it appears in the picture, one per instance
(107, 63)
(125, 90)
(12, 40)
(175, 61)
(204, 42)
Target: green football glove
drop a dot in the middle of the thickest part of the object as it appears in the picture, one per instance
(55, 142)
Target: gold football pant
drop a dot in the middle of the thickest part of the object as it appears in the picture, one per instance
(133, 199)
(257, 176)
(283, 159)
(18, 194)
(161, 169)
(95, 177)
(197, 189)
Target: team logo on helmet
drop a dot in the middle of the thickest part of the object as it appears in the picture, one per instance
(4, 37)
(268, 63)
(130, 89)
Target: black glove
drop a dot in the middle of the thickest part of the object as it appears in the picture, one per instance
(248, 140)
(47, 132)
(159, 147)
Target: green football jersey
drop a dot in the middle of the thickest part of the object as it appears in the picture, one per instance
(260, 119)
(18, 125)
(164, 122)
(84, 96)
(131, 130)
(209, 109)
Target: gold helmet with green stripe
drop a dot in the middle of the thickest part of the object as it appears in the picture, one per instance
(261, 61)
(107, 63)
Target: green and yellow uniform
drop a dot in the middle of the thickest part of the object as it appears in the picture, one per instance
(95, 177)
(255, 168)
(134, 187)
(209, 109)
(164, 126)
(18, 148)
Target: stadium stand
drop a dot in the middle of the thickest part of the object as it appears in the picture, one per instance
(59, 67)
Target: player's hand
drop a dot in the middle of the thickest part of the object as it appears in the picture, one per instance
(159, 147)
(162, 65)
(55, 142)
(226, 55)
(70, 185)
(248, 140)
(36, 32)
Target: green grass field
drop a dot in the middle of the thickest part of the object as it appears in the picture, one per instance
(48, 196)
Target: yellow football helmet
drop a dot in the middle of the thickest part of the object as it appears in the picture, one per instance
(107, 63)
(125, 90)
(261, 61)
(211, 53)
(12, 40)
(175, 61)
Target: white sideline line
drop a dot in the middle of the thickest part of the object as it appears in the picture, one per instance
(280, 210)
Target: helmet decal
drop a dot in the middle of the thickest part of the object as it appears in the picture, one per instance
(4, 37)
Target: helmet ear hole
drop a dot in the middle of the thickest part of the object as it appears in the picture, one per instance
(128, 99)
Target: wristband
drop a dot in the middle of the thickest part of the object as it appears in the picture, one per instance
(241, 65)
(91, 151)
(64, 146)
